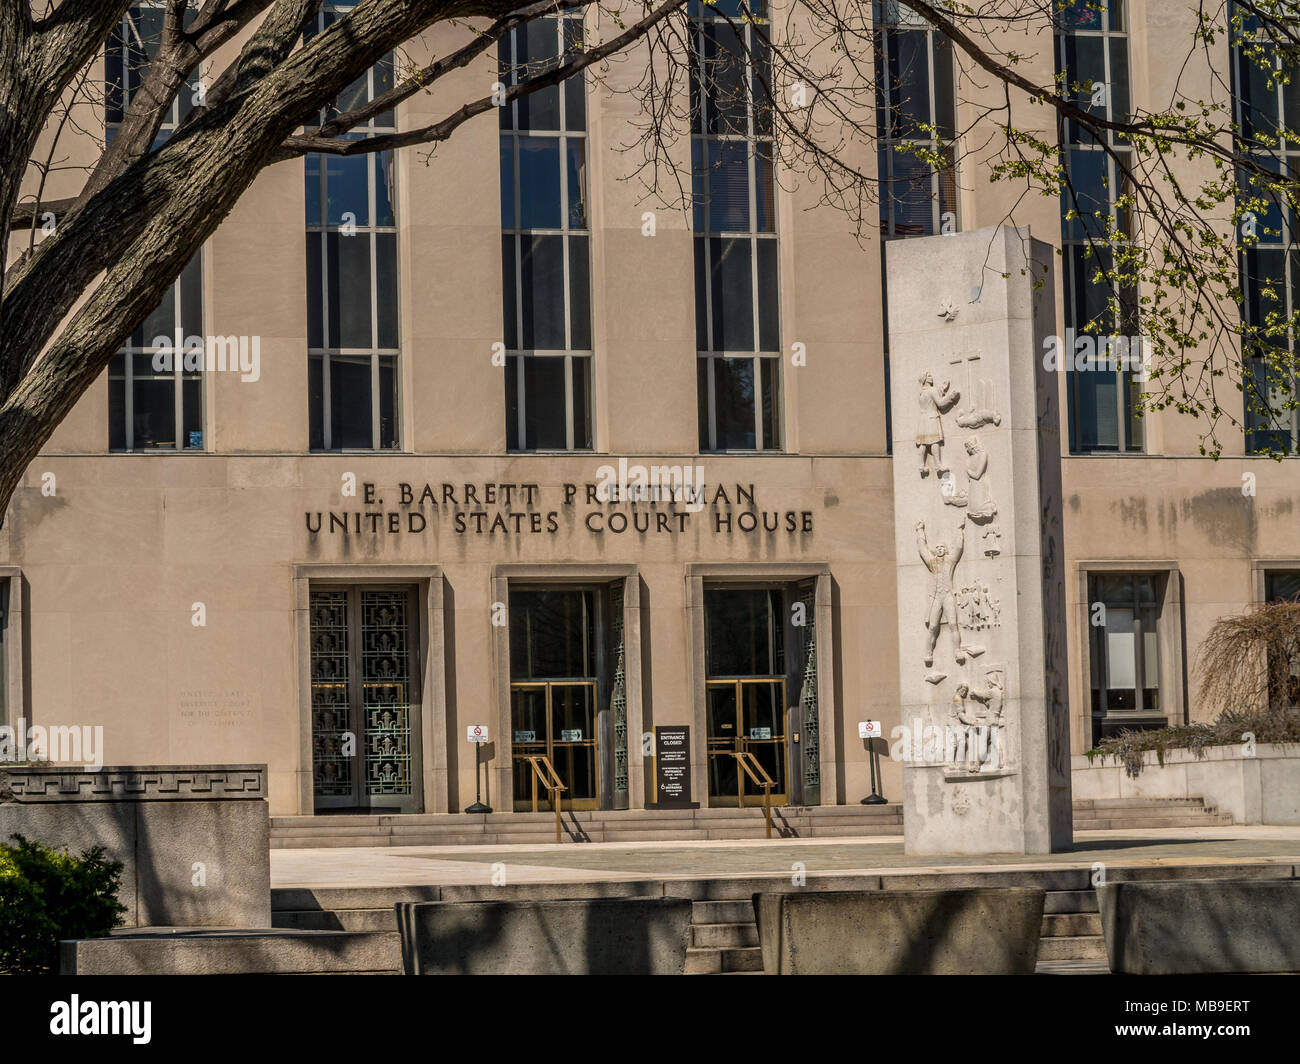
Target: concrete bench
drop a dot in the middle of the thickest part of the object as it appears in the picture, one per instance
(990, 931)
(584, 936)
(1194, 926)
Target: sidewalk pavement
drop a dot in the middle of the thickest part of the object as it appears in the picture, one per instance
(589, 862)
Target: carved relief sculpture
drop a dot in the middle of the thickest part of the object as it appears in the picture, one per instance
(975, 734)
(976, 416)
(934, 401)
(979, 497)
(977, 609)
(942, 605)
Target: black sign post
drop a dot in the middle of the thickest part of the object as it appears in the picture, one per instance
(673, 768)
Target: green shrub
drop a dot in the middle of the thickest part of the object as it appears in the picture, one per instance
(1267, 725)
(47, 895)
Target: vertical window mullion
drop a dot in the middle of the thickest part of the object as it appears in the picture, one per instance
(569, 412)
(930, 51)
(521, 420)
(560, 89)
(564, 241)
(178, 361)
(371, 202)
(327, 417)
(708, 250)
(711, 367)
(705, 113)
(374, 401)
(1139, 663)
(518, 238)
(128, 380)
(374, 331)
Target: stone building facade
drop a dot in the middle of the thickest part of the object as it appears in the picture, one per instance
(413, 507)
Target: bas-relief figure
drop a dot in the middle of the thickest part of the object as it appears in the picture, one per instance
(977, 609)
(980, 506)
(942, 605)
(976, 417)
(935, 401)
(975, 743)
(978, 496)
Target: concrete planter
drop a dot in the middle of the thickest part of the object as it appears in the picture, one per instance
(587, 936)
(1264, 789)
(991, 931)
(1196, 926)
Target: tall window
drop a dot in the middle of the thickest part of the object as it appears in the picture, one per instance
(1270, 271)
(737, 313)
(915, 105)
(915, 111)
(1125, 657)
(132, 44)
(1283, 670)
(154, 401)
(545, 244)
(352, 333)
(1092, 66)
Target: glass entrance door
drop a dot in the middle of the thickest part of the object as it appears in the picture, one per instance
(557, 719)
(745, 715)
(555, 684)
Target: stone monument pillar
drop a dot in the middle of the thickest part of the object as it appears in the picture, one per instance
(984, 737)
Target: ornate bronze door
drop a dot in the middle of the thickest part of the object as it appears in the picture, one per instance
(365, 701)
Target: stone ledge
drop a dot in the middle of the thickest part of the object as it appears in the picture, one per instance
(30, 784)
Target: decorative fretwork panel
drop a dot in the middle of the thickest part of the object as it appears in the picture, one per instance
(331, 758)
(812, 777)
(385, 687)
(618, 695)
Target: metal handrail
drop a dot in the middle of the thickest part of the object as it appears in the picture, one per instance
(544, 772)
(759, 777)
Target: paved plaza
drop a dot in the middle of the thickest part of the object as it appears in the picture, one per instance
(587, 862)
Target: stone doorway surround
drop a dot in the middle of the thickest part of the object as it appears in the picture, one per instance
(569, 573)
(828, 709)
(432, 721)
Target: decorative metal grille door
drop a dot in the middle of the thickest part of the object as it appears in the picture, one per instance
(364, 701)
(331, 724)
(618, 696)
(811, 790)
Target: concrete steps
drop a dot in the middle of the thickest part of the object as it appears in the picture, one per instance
(630, 825)
(703, 825)
(1071, 928)
(724, 939)
(1123, 814)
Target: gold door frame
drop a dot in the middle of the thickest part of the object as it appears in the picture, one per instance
(525, 803)
(716, 746)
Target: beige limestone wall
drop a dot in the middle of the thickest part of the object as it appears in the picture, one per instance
(1187, 511)
(117, 560)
